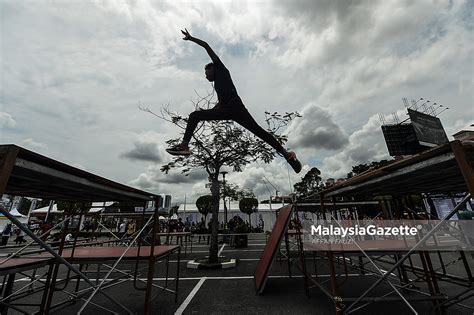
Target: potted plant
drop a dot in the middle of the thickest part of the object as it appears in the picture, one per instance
(247, 206)
(241, 240)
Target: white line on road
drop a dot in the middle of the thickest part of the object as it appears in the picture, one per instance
(183, 306)
(222, 248)
(213, 278)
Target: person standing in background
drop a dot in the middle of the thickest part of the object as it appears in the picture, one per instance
(7, 231)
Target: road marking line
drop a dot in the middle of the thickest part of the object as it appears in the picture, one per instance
(214, 278)
(183, 306)
(385, 271)
(222, 248)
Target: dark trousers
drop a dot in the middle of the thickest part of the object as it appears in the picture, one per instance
(236, 111)
(5, 240)
(20, 240)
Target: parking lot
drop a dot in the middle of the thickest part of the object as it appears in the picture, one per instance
(232, 290)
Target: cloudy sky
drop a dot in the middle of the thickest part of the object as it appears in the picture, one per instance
(74, 72)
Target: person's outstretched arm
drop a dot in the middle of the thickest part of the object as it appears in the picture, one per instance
(215, 59)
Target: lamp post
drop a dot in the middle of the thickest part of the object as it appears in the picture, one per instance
(223, 198)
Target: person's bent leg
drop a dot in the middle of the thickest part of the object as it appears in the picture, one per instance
(243, 117)
(193, 120)
(203, 115)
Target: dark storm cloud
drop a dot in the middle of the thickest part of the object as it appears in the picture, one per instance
(178, 178)
(317, 129)
(154, 179)
(143, 151)
(73, 64)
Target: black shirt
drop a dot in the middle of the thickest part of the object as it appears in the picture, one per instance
(223, 84)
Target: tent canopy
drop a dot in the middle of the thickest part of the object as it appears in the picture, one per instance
(29, 174)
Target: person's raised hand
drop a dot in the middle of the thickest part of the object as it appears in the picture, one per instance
(186, 34)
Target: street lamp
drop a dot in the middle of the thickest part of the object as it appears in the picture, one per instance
(223, 198)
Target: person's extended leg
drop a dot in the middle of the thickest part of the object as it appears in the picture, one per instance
(243, 117)
(216, 113)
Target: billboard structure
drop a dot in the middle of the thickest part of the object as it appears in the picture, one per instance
(428, 129)
(421, 132)
(401, 139)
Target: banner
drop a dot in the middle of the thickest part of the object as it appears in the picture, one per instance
(388, 235)
(428, 129)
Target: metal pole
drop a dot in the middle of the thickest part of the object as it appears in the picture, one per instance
(51, 205)
(52, 252)
(12, 255)
(151, 263)
(428, 235)
(97, 288)
(184, 209)
(32, 207)
(223, 197)
(376, 267)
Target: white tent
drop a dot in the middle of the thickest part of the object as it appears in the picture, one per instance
(44, 210)
(265, 211)
(99, 206)
(4, 221)
(22, 218)
(96, 207)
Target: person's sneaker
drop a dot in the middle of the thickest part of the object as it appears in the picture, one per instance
(293, 161)
(179, 150)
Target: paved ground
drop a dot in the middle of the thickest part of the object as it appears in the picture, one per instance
(232, 291)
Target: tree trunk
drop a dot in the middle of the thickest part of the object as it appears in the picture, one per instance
(213, 250)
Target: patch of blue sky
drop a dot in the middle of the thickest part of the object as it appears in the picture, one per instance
(434, 31)
(317, 158)
(15, 135)
(194, 62)
(240, 49)
(466, 15)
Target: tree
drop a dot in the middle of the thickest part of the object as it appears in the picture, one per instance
(234, 192)
(217, 144)
(309, 184)
(74, 207)
(43, 203)
(128, 206)
(248, 206)
(25, 206)
(361, 168)
(173, 210)
(204, 205)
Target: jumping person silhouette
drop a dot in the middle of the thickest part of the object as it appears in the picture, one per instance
(228, 107)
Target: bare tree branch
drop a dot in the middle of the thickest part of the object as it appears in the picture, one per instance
(216, 144)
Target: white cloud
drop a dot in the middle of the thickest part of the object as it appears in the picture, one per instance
(6, 120)
(316, 129)
(458, 126)
(365, 145)
(34, 145)
(74, 73)
(174, 182)
(264, 179)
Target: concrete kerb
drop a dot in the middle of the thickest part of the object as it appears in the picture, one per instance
(193, 264)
